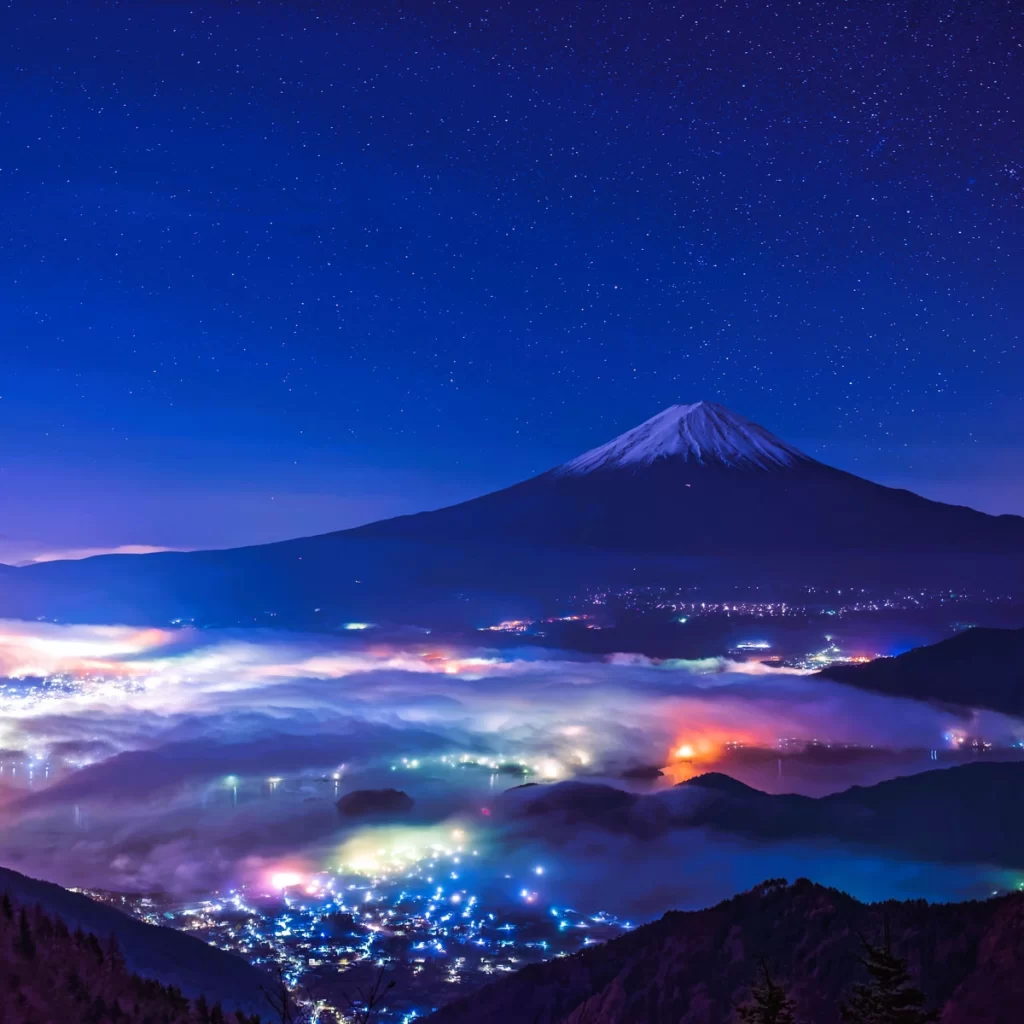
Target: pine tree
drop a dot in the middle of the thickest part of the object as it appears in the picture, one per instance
(114, 956)
(889, 998)
(25, 945)
(768, 1003)
(97, 1011)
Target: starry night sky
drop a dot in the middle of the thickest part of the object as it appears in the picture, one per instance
(277, 268)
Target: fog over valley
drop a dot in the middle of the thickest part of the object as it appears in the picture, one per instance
(192, 761)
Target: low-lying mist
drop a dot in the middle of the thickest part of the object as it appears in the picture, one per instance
(187, 761)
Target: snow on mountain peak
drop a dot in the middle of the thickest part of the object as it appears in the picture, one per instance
(704, 432)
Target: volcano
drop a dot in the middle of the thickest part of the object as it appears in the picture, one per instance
(702, 480)
(697, 492)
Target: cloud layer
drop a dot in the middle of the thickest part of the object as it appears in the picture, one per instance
(187, 760)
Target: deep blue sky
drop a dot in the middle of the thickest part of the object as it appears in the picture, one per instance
(276, 268)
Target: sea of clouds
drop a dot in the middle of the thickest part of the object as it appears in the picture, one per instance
(143, 759)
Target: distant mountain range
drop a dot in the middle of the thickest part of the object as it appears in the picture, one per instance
(983, 668)
(898, 816)
(162, 954)
(695, 968)
(696, 492)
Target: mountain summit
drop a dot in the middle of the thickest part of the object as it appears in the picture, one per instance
(703, 432)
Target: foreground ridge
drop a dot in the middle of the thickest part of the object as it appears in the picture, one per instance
(699, 966)
(50, 973)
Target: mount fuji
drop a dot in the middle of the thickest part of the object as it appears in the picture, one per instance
(703, 432)
(702, 480)
(697, 492)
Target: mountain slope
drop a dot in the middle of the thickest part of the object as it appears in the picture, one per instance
(162, 954)
(52, 972)
(701, 480)
(694, 968)
(696, 491)
(980, 667)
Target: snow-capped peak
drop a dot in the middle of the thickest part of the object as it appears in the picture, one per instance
(703, 432)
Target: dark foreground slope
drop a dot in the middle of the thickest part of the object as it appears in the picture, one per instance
(982, 668)
(953, 815)
(162, 954)
(52, 973)
(694, 968)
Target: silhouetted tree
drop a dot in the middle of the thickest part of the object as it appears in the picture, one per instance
(889, 997)
(768, 1003)
(280, 999)
(368, 1004)
(97, 1011)
(42, 926)
(114, 957)
(25, 945)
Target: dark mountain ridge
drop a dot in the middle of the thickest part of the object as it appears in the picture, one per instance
(163, 954)
(980, 667)
(53, 972)
(695, 967)
(898, 816)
